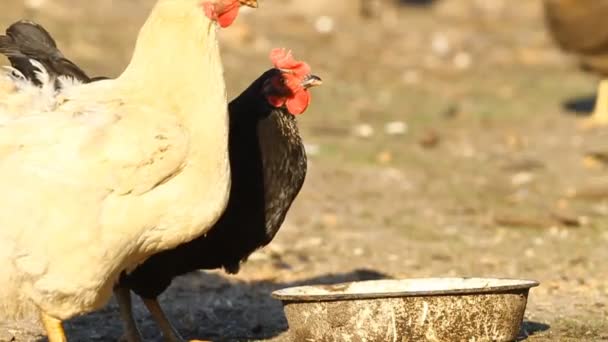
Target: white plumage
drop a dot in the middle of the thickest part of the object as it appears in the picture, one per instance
(95, 178)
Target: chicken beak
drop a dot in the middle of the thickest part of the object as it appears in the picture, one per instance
(311, 81)
(249, 3)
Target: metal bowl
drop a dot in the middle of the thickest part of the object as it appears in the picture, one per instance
(429, 309)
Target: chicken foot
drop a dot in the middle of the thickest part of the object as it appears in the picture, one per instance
(170, 334)
(599, 118)
(54, 328)
(123, 297)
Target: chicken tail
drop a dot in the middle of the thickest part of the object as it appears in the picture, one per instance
(26, 41)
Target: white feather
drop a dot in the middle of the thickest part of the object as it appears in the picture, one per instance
(42, 74)
(67, 82)
(24, 96)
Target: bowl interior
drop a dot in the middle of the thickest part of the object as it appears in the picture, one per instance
(401, 288)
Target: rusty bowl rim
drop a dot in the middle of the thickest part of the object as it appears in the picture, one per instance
(283, 294)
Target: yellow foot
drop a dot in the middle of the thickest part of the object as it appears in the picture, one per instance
(200, 341)
(53, 327)
(600, 113)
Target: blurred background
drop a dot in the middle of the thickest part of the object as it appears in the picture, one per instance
(444, 142)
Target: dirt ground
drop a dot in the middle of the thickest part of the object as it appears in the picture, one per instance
(444, 142)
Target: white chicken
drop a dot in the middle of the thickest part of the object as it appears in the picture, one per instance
(95, 178)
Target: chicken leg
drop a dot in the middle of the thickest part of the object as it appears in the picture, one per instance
(599, 118)
(169, 332)
(54, 328)
(123, 297)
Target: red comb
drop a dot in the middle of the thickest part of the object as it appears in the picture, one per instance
(283, 59)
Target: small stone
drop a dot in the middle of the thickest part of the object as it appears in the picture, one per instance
(364, 131)
(430, 139)
(324, 24)
(396, 128)
(440, 44)
(522, 178)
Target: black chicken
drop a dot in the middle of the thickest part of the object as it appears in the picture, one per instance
(267, 159)
(268, 164)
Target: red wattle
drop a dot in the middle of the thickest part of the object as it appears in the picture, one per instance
(226, 19)
(299, 103)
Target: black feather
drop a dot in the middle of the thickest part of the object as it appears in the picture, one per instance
(25, 40)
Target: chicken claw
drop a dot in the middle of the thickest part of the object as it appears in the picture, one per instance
(170, 334)
(54, 328)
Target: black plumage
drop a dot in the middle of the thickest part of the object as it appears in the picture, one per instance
(25, 41)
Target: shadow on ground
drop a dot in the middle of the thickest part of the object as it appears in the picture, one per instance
(530, 328)
(219, 309)
(580, 106)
